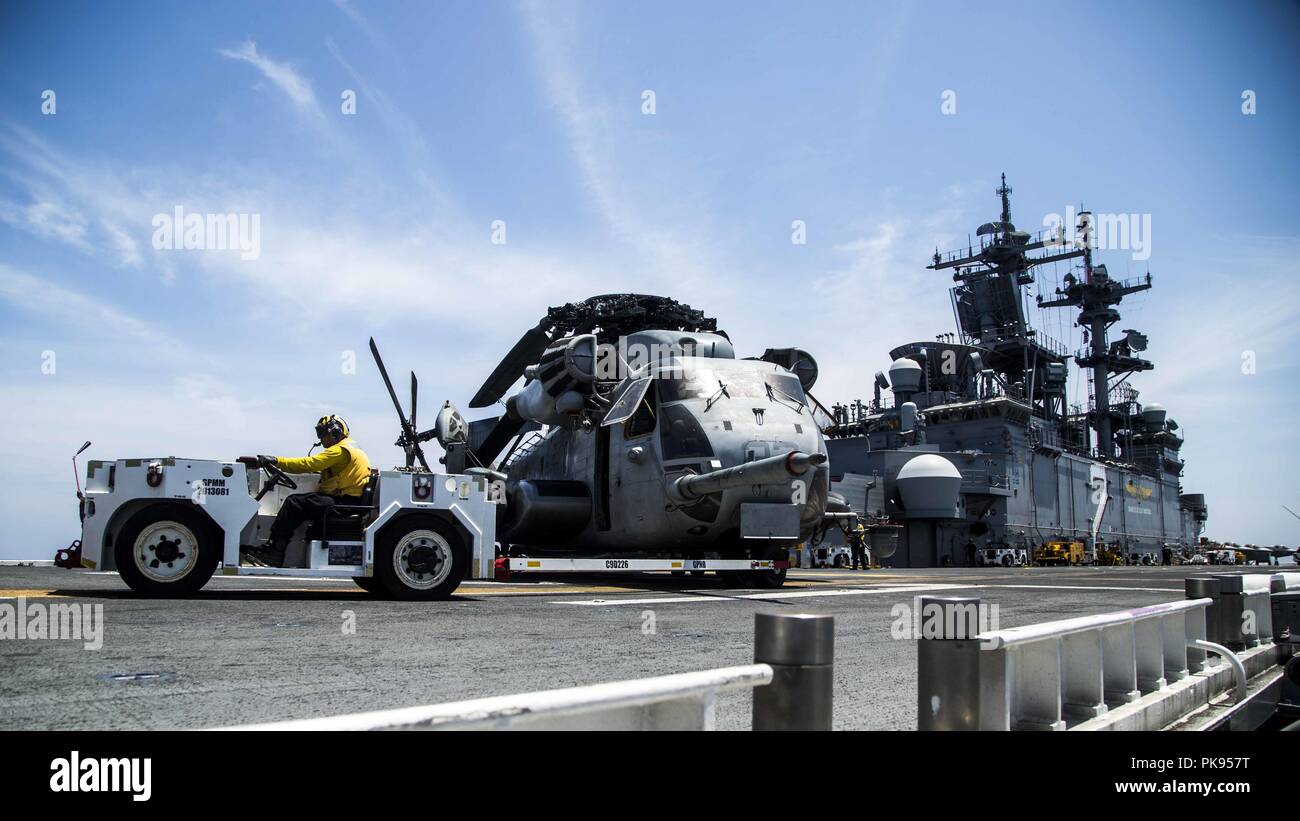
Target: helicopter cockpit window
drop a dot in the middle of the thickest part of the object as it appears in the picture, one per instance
(628, 400)
(696, 383)
(787, 387)
(704, 383)
(643, 420)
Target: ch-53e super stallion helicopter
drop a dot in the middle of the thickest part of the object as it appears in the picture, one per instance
(639, 433)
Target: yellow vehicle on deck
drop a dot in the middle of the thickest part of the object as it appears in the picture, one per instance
(1109, 555)
(1059, 553)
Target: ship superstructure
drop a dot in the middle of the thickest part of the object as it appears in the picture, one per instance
(970, 442)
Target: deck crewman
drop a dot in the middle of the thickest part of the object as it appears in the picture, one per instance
(344, 472)
(858, 545)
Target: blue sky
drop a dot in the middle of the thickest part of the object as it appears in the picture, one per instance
(531, 113)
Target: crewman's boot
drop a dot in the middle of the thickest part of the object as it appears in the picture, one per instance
(275, 552)
(270, 554)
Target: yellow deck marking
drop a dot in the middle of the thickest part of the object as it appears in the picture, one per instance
(29, 594)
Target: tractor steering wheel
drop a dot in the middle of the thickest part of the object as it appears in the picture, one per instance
(278, 477)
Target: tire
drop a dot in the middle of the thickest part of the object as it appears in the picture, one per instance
(420, 558)
(167, 550)
(841, 562)
(731, 578)
(755, 579)
(1006, 560)
(767, 579)
(369, 584)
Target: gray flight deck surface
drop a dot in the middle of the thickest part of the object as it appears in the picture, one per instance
(256, 649)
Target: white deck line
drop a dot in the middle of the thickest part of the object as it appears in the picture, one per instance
(844, 591)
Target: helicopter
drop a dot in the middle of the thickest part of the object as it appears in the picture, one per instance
(638, 432)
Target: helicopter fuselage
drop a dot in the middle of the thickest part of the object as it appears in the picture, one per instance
(699, 414)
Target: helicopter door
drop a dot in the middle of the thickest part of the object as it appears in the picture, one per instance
(635, 469)
(601, 496)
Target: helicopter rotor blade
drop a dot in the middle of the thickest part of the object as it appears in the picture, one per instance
(525, 352)
(502, 432)
(415, 392)
(388, 383)
(408, 430)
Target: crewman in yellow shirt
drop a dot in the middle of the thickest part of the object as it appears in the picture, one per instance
(344, 472)
(858, 547)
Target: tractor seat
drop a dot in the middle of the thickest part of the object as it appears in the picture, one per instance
(346, 522)
(365, 502)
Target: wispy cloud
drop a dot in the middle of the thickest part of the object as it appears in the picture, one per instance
(50, 218)
(282, 75)
(47, 219)
(98, 208)
(57, 304)
(413, 140)
(128, 250)
(362, 22)
(678, 252)
(319, 259)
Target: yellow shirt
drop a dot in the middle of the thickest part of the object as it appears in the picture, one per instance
(344, 468)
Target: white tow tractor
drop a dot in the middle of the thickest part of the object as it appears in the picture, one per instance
(166, 525)
(1003, 557)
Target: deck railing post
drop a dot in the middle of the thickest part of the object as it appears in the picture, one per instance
(1233, 630)
(948, 663)
(801, 651)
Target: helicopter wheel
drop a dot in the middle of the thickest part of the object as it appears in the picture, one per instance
(732, 578)
(757, 579)
(768, 579)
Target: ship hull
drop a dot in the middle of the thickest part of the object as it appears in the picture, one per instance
(1017, 495)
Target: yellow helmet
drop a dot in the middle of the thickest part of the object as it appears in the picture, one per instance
(331, 426)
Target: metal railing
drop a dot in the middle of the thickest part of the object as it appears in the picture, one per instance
(685, 701)
(1061, 673)
(792, 678)
(1040, 675)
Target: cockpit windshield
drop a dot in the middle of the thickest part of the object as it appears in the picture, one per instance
(705, 383)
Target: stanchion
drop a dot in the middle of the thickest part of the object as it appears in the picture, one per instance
(801, 650)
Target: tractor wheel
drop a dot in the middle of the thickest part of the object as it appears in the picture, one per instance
(167, 550)
(420, 557)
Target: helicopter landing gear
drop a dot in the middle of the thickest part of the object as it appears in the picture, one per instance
(760, 579)
(768, 579)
